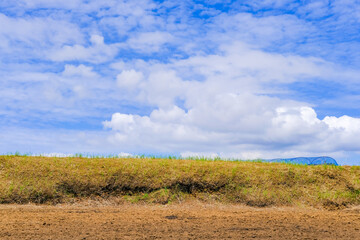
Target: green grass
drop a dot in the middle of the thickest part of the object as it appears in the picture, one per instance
(25, 179)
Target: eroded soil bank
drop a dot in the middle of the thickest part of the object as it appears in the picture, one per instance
(178, 221)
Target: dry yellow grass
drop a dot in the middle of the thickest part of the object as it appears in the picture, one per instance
(26, 179)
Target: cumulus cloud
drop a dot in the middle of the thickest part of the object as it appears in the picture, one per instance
(224, 108)
(289, 129)
(345, 123)
(129, 79)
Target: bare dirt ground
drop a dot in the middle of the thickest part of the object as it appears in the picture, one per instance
(179, 221)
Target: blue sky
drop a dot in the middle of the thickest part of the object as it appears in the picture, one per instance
(241, 79)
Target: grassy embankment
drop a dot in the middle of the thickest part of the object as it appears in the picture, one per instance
(26, 179)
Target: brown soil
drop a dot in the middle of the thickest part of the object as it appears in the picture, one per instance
(181, 221)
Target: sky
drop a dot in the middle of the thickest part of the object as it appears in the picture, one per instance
(234, 79)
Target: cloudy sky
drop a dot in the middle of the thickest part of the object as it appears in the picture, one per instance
(242, 79)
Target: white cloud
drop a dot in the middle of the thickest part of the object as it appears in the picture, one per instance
(238, 69)
(162, 87)
(33, 37)
(81, 70)
(77, 90)
(259, 4)
(136, 8)
(98, 52)
(52, 4)
(345, 123)
(223, 111)
(39, 30)
(149, 41)
(110, 7)
(346, 10)
(172, 115)
(262, 31)
(289, 129)
(121, 122)
(316, 9)
(122, 17)
(129, 79)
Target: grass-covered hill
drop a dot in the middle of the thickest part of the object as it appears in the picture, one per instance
(25, 179)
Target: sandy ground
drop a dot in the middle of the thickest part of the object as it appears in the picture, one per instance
(181, 221)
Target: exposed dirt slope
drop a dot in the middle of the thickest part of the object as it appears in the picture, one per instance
(184, 221)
